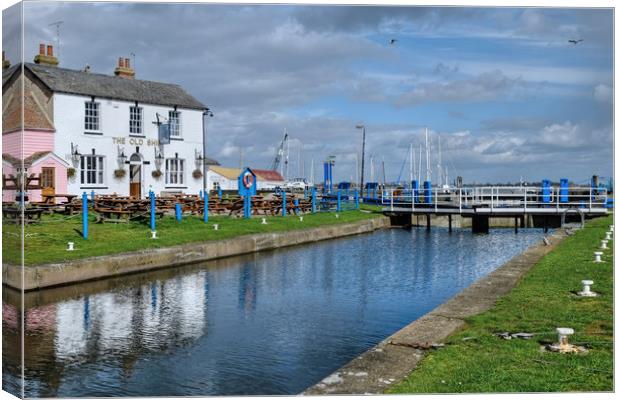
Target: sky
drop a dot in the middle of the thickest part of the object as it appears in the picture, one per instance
(502, 89)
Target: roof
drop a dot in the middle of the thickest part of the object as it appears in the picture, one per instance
(211, 161)
(261, 174)
(268, 175)
(64, 80)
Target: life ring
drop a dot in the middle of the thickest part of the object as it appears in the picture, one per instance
(248, 180)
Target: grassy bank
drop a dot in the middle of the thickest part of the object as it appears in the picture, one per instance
(47, 241)
(474, 360)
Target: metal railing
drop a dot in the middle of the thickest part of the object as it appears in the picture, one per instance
(496, 198)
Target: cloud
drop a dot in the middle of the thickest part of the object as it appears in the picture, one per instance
(603, 93)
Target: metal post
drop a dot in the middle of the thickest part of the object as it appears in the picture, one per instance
(428, 222)
(392, 200)
(590, 200)
(152, 197)
(92, 196)
(84, 216)
(313, 200)
(177, 211)
(516, 224)
(205, 213)
(284, 204)
(449, 222)
(357, 200)
(338, 201)
(363, 149)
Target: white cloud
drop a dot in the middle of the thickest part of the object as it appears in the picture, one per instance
(603, 93)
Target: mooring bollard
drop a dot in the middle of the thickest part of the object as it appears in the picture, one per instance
(152, 197)
(263, 221)
(84, 216)
(597, 256)
(611, 228)
(337, 216)
(70, 246)
(215, 227)
(563, 334)
(153, 234)
(603, 244)
(301, 219)
(205, 212)
(607, 235)
(284, 204)
(586, 289)
(177, 211)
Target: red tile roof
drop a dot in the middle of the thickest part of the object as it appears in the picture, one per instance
(268, 175)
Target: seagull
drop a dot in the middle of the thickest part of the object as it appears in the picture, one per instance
(393, 41)
(575, 41)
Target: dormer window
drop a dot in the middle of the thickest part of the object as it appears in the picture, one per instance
(175, 123)
(91, 116)
(135, 120)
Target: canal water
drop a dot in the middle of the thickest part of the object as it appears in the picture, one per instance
(269, 323)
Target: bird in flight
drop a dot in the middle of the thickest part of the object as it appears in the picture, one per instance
(393, 41)
(575, 41)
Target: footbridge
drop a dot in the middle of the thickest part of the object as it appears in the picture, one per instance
(549, 206)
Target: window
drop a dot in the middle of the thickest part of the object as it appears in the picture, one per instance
(135, 120)
(174, 117)
(174, 171)
(91, 116)
(91, 170)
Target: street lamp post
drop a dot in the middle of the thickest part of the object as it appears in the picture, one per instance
(205, 114)
(363, 128)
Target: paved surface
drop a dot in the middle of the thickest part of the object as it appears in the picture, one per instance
(395, 357)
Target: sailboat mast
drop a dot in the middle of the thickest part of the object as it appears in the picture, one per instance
(428, 159)
(410, 162)
(420, 164)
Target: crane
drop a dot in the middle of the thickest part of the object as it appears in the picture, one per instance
(279, 153)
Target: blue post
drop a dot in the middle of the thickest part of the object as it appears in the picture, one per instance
(428, 194)
(357, 200)
(219, 192)
(200, 193)
(296, 203)
(563, 190)
(415, 188)
(247, 206)
(92, 196)
(338, 201)
(205, 213)
(84, 216)
(152, 197)
(177, 211)
(546, 191)
(313, 200)
(284, 204)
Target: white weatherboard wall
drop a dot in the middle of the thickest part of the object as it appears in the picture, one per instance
(114, 127)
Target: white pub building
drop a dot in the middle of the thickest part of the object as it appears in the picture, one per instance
(85, 131)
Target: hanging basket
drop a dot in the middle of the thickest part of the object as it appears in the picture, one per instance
(156, 174)
(197, 174)
(70, 172)
(119, 173)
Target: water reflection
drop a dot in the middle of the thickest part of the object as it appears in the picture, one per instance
(269, 323)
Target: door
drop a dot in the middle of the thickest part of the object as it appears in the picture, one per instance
(48, 187)
(135, 176)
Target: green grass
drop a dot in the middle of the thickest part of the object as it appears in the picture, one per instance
(47, 241)
(540, 303)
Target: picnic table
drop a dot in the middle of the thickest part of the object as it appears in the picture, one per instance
(13, 214)
(50, 198)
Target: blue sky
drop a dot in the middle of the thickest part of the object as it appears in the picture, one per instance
(507, 93)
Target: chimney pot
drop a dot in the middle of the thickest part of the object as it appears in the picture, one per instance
(127, 63)
(50, 50)
(41, 49)
(120, 62)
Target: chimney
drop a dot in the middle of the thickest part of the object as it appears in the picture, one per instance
(5, 63)
(124, 70)
(44, 58)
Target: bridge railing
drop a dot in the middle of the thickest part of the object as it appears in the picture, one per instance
(496, 197)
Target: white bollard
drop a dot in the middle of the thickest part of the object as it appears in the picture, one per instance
(611, 228)
(597, 256)
(264, 221)
(153, 234)
(70, 246)
(607, 235)
(301, 219)
(337, 216)
(215, 227)
(603, 244)
(563, 334)
(586, 289)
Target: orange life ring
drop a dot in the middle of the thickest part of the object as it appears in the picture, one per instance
(248, 180)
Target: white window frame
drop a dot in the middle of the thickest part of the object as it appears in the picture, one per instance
(136, 118)
(93, 175)
(174, 117)
(175, 171)
(92, 116)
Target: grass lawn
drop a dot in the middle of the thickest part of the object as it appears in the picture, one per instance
(47, 241)
(539, 304)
